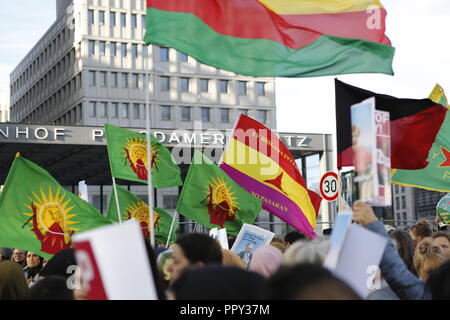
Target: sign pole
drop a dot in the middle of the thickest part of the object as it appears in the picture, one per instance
(117, 199)
(171, 228)
(149, 161)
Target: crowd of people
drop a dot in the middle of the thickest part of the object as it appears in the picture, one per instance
(415, 265)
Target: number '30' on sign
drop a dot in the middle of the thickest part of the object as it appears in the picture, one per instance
(329, 186)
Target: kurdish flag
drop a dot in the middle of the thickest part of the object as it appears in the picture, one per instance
(288, 38)
(127, 151)
(37, 214)
(256, 159)
(212, 199)
(435, 176)
(131, 207)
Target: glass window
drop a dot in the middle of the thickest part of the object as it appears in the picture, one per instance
(223, 84)
(134, 50)
(170, 201)
(123, 47)
(92, 78)
(184, 84)
(102, 78)
(145, 51)
(133, 20)
(102, 47)
(124, 80)
(262, 116)
(242, 87)
(114, 110)
(225, 115)
(125, 111)
(101, 17)
(260, 89)
(114, 79)
(91, 47)
(204, 85)
(206, 114)
(164, 83)
(92, 109)
(136, 110)
(135, 80)
(183, 57)
(403, 202)
(112, 18)
(123, 19)
(144, 21)
(113, 47)
(185, 113)
(163, 54)
(165, 113)
(91, 16)
(103, 109)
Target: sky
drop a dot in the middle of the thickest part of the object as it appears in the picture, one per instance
(418, 29)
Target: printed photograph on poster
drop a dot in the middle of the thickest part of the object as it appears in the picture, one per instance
(249, 239)
(383, 138)
(364, 150)
(443, 210)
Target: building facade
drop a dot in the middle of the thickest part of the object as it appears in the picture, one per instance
(4, 107)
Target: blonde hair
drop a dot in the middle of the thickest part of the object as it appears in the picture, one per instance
(426, 262)
(231, 259)
(306, 251)
(279, 243)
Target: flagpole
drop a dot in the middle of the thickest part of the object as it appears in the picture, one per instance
(171, 228)
(149, 160)
(117, 199)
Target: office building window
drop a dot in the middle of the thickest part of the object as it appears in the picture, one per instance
(244, 111)
(91, 16)
(102, 78)
(133, 20)
(145, 51)
(225, 115)
(260, 88)
(170, 201)
(92, 109)
(92, 78)
(144, 21)
(114, 79)
(185, 113)
(123, 19)
(91, 47)
(134, 50)
(183, 57)
(262, 116)
(135, 80)
(136, 110)
(206, 114)
(113, 48)
(184, 84)
(204, 85)
(125, 111)
(112, 19)
(103, 109)
(164, 83)
(101, 17)
(403, 202)
(242, 87)
(114, 110)
(165, 113)
(223, 86)
(102, 47)
(124, 80)
(163, 54)
(123, 48)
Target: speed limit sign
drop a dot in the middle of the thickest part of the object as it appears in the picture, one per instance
(329, 186)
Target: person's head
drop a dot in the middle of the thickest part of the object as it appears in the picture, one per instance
(13, 285)
(249, 247)
(33, 260)
(443, 240)
(428, 256)
(50, 288)
(5, 254)
(404, 245)
(62, 264)
(231, 259)
(215, 282)
(266, 260)
(293, 236)
(19, 256)
(279, 243)
(327, 232)
(439, 282)
(307, 282)
(313, 251)
(420, 230)
(194, 250)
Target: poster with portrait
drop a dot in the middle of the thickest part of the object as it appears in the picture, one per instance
(443, 210)
(249, 239)
(383, 138)
(364, 145)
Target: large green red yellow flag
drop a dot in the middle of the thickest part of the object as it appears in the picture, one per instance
(131, 207)
(436, 175)
(127, 151)
(288, 38)
(212, 199)
(257, 160)
(37, 214)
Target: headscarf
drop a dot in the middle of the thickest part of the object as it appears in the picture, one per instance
(266, 260)
(13, 285)
(59, 264)
(6, 253)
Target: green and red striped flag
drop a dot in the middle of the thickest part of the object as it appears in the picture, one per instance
(37, 214)
(131, 207)
(287, 38)
(436, 175)
(127, 151)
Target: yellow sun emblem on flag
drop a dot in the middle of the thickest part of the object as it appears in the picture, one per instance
(139, 211)
(219, 192)
(52, 213)
(136, 152)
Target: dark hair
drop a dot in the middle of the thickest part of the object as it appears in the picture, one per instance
(293, 236)
(198, 247)
(307, 282)
(440, 234)
(32, 272)
(421, 229)
(50, 288)
(327, 232)
(59, 264)
(405, 248)
(439, 282)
